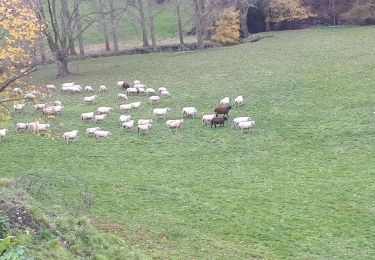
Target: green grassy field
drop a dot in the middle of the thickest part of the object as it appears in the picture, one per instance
(299, 186)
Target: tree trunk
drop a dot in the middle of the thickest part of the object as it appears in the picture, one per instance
(43, 57)
(152, 27)
(62, 63)
(77, 18)
(180, 32)
(144, 32)
(114, 27)
(104, 24)
(243, 20)
(72, 50)
(199, 22)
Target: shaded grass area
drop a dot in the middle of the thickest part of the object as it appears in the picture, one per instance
(300, 185)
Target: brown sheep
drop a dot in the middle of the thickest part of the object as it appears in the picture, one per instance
(224, 110)
(218, 121)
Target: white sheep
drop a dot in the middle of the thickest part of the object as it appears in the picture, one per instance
(90, 99)
(174, 124)
(68, 84)
(135, 105)
(224, 101)
(22, 126)
(57, 103)
(154, 98)
(40, 106)
(246, 125)
(132, 91)
(189, 111)
(17, 91)
(102, 88)
(124, 118)
(58, 109)
(206, 119)
(87, 116)
(238, 101)
(158, 112)
(144, 121)
(98, 118)
(29, 96)
(92, 130)
(122, 96)
(41, 127)
(143, 128)
(102, 134)
(125, 107)
(139, 86)
(141, 91)
(51, 87)
(48, 111)
(75, 89)
(3, 133)
(104, 110)
(18, 107)
(165, 93)
(72, 135)
(120, 83)
(128, 125)
(162, 89)
(150, 91)
(89, 89)
(136, 82)
(238, 120)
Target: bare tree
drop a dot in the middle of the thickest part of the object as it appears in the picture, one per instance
(151, 22)
(180, 31)
(104, 24)
(142, 20)
(113, 26)
(77, 20)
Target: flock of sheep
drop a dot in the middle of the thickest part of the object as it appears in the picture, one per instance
(220, 115)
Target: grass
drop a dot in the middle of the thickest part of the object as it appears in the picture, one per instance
(300, 185)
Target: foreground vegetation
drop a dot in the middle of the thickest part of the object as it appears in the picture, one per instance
(300, 185)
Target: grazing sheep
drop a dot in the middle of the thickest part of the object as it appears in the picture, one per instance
(48, 111)
(158, 112)
(135, 105)
(89, 89)
(141, 91)
(222, 110)
(150, 91)
(125, 107)
(136, 82)
(92, 130)
(237, 120)
(104, 110)
(154, 98)
(206, 119)
(75, 89)
(98, 118)
(120, 83)
(218, 121)
(50, 87)
(165, 93)
(238, 101)
(246, 125)
(102, 134)
(18, 107)
(40, 106)
(124, 118)
(3, 133)
(132, 91)
(58, 109)
(90, 99)
(41, 128)
(72, 135)
(102, 88)
(87, 116)
(123, 84)
(143, 128)
(68, 84)
(189, 111)
(22, 126)
(224, 101)
(162, 89)
(144, 121)
(29, 96)
(174, 124)
(17, 91)
(122, 96)
(128, 125)
(57, 103)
